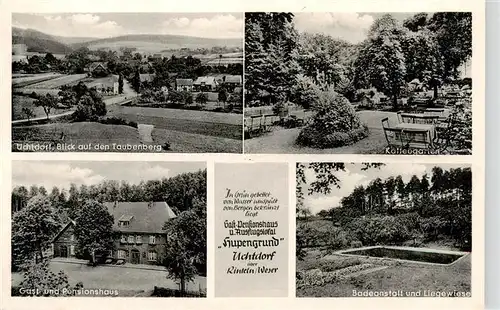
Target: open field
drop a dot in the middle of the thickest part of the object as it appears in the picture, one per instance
(30, 79)
(120, 278)
(59, 81)
(404, 276)
(222, 125)
(185, 142)
(20, 102)
(83, 133)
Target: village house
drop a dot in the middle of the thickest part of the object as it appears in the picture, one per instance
(97, 68)
(184, 84)
(105, 86)
(138, 227)
(205, 83)
(231, 82)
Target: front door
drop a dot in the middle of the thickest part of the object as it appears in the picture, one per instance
(136, 257)
(63, 251)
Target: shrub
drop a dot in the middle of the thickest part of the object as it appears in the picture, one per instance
(305, 92)
(335, 123)
(380, 230)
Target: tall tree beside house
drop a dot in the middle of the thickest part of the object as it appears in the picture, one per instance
(222, 96)
(93, 229)
(136, 81)
(120, 83)
(201, 98)
(33, 228)
(186, 240)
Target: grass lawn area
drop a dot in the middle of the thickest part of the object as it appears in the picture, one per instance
(125, 280)
(407, 277)
(20, 102)
(29, 79)
(185, 142)
(283, 140)
(59, 81)
(81, 133)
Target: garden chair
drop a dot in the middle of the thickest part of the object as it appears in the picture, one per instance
(269, 121)
(417, 138)
(393, 136)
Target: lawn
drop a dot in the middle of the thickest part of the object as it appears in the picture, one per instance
(184, 142)
(20, 102)
(58, 81)
(83, 133)
(403, 276)
(283, 140)
(188, 131)
(123, 279)
(30, 79)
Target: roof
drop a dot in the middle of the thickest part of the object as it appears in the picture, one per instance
(94, 65)
(71, 222)
(147, 77)
(144, 217)
(233, 79)
(205, 80)
(184, 82)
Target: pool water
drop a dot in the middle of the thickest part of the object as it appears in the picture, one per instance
(413, 255)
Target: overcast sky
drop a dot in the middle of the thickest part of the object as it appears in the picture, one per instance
(350, 26)
(63, 173)
(102, 25)
(353, 176)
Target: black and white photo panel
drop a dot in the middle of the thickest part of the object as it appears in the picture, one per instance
(127, 82)
(95, 229)
(358, 83)
(383, 230)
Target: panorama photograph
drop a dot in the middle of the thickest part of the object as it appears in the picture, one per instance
(383, 230)
(127, 82)
(108, 229)
(358, 83)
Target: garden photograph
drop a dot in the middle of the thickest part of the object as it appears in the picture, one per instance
(387, 230)
(358, 83)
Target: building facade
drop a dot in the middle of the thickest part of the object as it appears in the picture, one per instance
(139, 235)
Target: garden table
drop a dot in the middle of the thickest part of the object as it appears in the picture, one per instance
(430, 128)
(419, 118)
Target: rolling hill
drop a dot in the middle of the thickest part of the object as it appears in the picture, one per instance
(158, 42)
(39, 42)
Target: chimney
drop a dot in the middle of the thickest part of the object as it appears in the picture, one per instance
(114, 204)
(150, 204)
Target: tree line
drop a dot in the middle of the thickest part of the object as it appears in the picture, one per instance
(429, 208)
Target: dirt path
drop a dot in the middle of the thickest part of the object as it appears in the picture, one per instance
(145, 132)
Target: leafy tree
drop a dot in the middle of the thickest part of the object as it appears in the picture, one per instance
(33, 228)
(305, 92)
(416, 22)
(47, 102)
(201, 98)
(381, 61)
(186, 239)
(38, 279)
(94, 229)
(222, 96)
(28, 112)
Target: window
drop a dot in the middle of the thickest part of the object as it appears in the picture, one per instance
(130, 239)
(138, 239)
(121, 254)
(71, 250)
(123, 239)
(123, 223)
(152, 239)
(151, 256)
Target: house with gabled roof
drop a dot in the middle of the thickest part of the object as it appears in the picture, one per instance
(139, 234)
(205, 83)
(184, 84)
